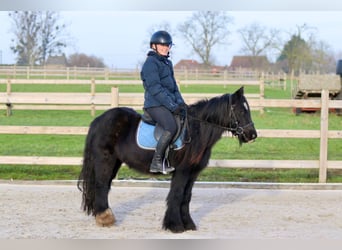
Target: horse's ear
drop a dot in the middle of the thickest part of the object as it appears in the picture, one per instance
(240, 91)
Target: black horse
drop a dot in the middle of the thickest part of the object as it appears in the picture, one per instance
(111, 141)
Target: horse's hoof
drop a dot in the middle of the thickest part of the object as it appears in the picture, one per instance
(174, 228)
(190, 227)
(105, 219)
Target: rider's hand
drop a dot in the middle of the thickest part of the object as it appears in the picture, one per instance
(181, 110)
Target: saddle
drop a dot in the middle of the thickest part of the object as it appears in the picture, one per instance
(149, 132)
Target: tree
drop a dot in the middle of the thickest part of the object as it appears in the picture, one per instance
(204, 30)
(37, 34)
(307, 55)
(322, 57)
(258, 40)
(26, 30)
(296, 52)
(53, 38)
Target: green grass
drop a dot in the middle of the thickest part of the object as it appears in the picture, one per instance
(226, 148)
(47, 118)
(31, 172)
(42, 145)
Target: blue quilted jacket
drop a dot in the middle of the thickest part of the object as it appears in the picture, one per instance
(159, 83)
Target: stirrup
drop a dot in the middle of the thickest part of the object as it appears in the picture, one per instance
(166, 167)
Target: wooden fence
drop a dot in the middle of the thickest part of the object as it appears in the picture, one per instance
(96, 101)
(323, 164)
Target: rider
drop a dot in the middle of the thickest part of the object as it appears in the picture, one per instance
(162, 97)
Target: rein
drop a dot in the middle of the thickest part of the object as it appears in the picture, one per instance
(238, 129)
(210, 123)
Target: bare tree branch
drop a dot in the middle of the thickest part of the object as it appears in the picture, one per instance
(204, 30)
(258, 40)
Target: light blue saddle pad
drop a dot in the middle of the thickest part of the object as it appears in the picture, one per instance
(146, 140)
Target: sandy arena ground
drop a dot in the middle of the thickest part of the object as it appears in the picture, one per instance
(38, 211)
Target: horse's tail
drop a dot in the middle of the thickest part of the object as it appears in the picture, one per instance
(86, 180)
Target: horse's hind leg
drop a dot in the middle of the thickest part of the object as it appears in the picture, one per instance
(105, 170)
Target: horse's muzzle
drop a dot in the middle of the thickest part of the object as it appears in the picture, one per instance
(253, 135)
(245, 138)
(247, 134)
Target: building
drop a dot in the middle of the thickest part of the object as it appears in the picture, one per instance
(260, 63)
(187, 65)
(56, 61)
(191, 65)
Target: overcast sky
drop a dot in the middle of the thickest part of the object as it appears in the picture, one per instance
(118, 36)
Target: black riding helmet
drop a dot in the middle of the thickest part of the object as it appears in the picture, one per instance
(161, 37)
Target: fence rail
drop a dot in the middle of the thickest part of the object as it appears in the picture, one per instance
(262, 133)
(69, 73)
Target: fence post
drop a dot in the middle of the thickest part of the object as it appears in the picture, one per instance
(292, 82)
(8, 104)
(114, 97)
(68, 73)
(106, 72)
(8, 87)
(262, 91)
(75, 72)
(92, 92)
(323, 150)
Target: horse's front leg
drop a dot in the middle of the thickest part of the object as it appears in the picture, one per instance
(185, 207)
(192, 175)
(177, 217)
(173, 219)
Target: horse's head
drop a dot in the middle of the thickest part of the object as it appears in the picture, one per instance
(241, 124)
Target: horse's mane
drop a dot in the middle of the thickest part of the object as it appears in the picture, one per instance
(207, 121)
(214, 110)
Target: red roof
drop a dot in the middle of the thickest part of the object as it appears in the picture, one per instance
(249, 62)
(187, 64)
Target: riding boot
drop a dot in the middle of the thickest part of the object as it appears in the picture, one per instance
(157, 165)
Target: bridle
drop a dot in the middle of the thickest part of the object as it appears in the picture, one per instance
(236, 130)
(233, 127)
